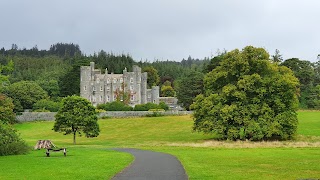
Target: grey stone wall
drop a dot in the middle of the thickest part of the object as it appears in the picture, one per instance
(49, 116)
(34, 116)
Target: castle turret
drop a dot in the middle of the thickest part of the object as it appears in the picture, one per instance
(155, 94)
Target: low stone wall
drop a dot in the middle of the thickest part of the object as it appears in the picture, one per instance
(123, 114)
(49, 116)
(34, 116)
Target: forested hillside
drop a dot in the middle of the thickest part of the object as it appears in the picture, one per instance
(56, 70)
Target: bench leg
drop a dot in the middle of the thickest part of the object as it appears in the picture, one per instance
(64, 152)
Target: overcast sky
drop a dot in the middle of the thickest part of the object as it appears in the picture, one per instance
(164, 29)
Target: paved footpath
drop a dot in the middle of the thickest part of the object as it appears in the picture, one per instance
(150, 165)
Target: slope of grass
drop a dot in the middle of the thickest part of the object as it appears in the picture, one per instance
(121, 132)
(89, 160)
(80, 163)
(309, 123)
(248, 163)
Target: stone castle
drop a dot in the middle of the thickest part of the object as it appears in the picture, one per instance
(103, 88)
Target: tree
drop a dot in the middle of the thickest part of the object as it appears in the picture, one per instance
(277, 57)
(77, 115)
(189, 87)
(248, 97)
(11, 143)
(305, 72)
(167, 91)
(4, 77)
(153, 77)
(69, 84)
(25, 94)
(6, 110)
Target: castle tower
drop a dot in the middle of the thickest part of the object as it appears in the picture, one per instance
(155, 94)
(137, 74)
(144, 77)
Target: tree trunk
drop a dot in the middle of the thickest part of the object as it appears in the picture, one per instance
(74, 137)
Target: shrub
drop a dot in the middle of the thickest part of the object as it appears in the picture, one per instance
(11, 143)
(115, 106)
(155, 114)
(47, 105)
(6, 110)
(148, 106)
(163, 105)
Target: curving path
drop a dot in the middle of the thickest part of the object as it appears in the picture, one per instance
(150, 165)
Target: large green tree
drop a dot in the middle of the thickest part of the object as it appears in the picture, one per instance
(248, 97)
(153, 77)
(304, 71)
(25, 94)
(69, 84)
(189, 87)
(77, 115)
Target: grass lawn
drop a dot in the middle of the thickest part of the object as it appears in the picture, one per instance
(89, 159)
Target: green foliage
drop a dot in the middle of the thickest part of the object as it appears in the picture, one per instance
(189, 87)
(149, 106)
(51, 86)
(48, 105)
(167, 91)
(305, 72)
(155, 114)
(77, 115)
(25, 94)
(114, 63)
(248, 97)
(153, 77)
(69, 83)
(10, 142)
(6, 110)
(163, 105)
(145, 107)
(115, 106)
(4, 77)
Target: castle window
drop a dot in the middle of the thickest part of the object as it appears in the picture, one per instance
(131, 88)
(85, 88)
(114, 80)
(108, 80)
(93, 99)
(132, 98)
(93, 88)
(108, 98)
(108, 88)
(131, 80)
(121, 80)
(101, 98)
(101, 88)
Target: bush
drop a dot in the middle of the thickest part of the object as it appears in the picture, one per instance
(115, 106)
(145, 107)
(155, 114)
(157, 110)
(6, 110)
(11, 143)
(148, 106)
(164, 106)
(47, 105)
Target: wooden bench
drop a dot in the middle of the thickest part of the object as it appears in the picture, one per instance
(56, 150)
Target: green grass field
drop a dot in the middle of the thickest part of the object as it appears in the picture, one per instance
(93, 159)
